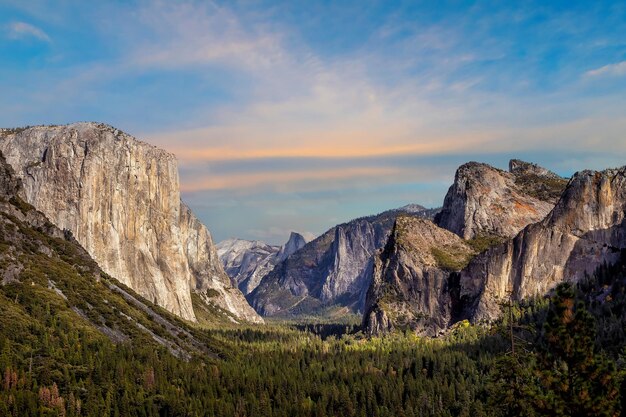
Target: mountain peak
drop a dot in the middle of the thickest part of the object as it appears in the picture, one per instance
(295, 242)
(486, 201)
(246, 262)
(409, 278)
(120, 197)
(585, 229)
(519, 167)
(537, 181)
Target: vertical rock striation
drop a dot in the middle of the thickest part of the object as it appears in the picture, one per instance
(586, 228)
(247, 262)
(120, 198)
(410, 279)
(330, 273)
(208, 277)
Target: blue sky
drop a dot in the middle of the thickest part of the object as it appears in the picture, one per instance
(298, 115)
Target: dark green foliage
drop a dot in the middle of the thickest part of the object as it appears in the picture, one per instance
(21, 205)
(483, 242)
(559, 368)
(577, 379)
(513, 387)
(211, 293)
(541, 187)
(450, 258)
(58, 356)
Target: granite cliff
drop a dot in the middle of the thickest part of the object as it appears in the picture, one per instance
(586, 228)
(120, 199)
(246, 262)
(44, 269)
(410, 277)
(329, 275)
(583, 227)
(485, 201)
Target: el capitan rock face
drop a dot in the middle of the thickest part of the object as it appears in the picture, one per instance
(330, 271)
(120, 198)
(586, 228)
(410, 278)
(486, 201)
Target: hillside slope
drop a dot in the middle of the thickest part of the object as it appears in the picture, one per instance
(120, 198)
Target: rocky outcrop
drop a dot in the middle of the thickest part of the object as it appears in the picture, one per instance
(521, 168)
(330, 272)
(295, 243)
(485, 201)
(43, 266)
(208, 277)
(120, 198)
(586, 228)
(247, 262)
(410, 278)
(536, 181)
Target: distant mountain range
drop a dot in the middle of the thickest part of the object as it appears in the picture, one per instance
(499, 235)
(329, 275)
(248, 261)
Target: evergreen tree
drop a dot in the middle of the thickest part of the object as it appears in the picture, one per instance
(577, 380)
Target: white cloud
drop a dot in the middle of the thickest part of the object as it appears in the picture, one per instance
(616, 69)
(22, 30)
(192, 34)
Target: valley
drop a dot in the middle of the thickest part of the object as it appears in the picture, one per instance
(400, 313)
(273, 208)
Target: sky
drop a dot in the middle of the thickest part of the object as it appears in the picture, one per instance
(299, 115)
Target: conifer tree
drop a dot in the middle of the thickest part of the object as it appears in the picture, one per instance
(577, 380)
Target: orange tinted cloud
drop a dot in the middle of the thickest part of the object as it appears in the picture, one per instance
(281, 178)
(355, 144)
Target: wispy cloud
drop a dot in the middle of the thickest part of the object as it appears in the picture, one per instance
(252, 143)
(616, 69)
(192, 34)
(281, 180)
(244, 92)
(23, 30)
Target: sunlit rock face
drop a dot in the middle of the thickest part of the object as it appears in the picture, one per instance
(329, 275)
(410, 279)
(573, 228)
(585, 229)
(247, 261)
(120, 198)
(486, 201)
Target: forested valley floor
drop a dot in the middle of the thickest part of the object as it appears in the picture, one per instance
(559, 355)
